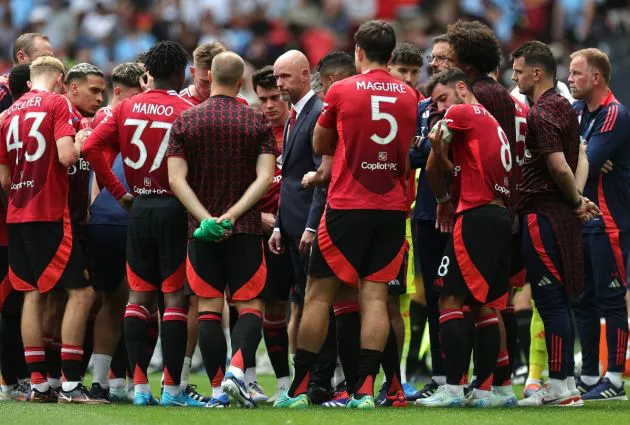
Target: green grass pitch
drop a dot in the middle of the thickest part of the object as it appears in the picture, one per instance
(12, 413)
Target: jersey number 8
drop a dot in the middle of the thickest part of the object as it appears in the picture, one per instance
(506, 153)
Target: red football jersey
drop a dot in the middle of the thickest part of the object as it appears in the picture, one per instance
(187, 94)
(100, 115)
(269, 202)
(375, 118)
(110, 152)
(481, 155)
(4, 237)
(140, 128)
(39, 182)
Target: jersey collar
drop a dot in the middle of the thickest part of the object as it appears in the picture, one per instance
(608, 99)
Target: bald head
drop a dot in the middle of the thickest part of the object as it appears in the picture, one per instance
(227, 69)
(292, 71)
(294, 59)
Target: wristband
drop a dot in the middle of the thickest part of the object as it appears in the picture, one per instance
(444, 199)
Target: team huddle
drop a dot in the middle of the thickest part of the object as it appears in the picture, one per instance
(186, 213)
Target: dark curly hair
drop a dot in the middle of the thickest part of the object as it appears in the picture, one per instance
(166, 59)
(476, 45)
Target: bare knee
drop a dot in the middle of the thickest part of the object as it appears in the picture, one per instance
(276, 308)
(450, 302)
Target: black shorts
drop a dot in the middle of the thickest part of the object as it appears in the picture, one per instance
(157, 236)
(45, 255)
(398, 286)
(107, 247)
(476, 262)
(280, 278)
(236, 264)
(359, 244)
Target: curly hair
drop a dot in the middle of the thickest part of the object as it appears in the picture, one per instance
(476, 45)
(166, 59)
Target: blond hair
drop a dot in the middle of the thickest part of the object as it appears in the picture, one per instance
(46, 65)
(596, 59)
(205, 53)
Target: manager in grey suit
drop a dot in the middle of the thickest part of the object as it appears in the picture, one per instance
(300, 209)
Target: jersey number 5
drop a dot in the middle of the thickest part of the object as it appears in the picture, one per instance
(142, 149)
(13, 136)
(377, 115)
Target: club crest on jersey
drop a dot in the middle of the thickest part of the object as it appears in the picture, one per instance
(147, 181)
(382, 156)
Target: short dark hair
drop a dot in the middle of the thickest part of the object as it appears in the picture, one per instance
(377, 39)
(81, 71)
(407, 54)
(341, 62)
(449, 76)
(18, 80)
(165, 59)
(536, 53)
(25, 43)
(442, 38)
(128, 74)
(475, 44)
(264, 78)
